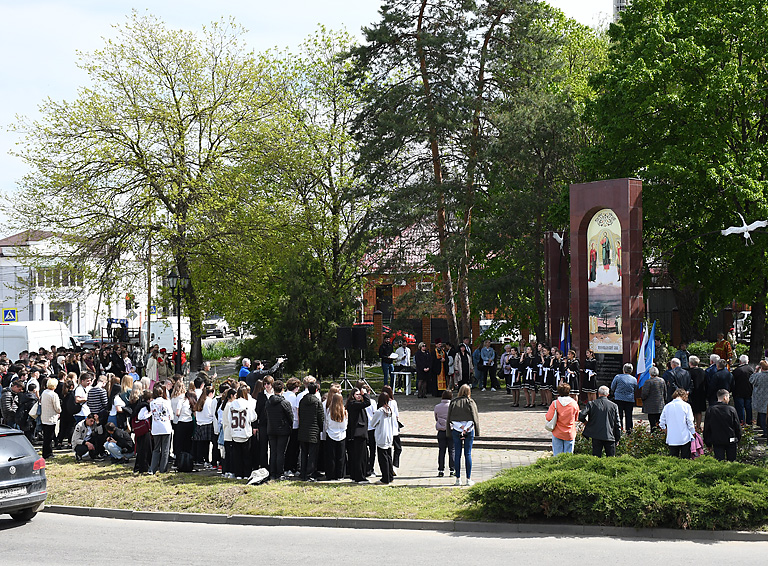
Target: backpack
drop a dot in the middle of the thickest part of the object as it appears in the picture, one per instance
(184, 462)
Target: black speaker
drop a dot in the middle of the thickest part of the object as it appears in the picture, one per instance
(359, 337)
(344, 337)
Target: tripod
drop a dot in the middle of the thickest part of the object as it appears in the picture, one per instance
(345, 384)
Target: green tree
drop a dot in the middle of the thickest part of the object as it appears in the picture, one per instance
(149, 151)
(301, 277)
(412, 71)
(683, 106)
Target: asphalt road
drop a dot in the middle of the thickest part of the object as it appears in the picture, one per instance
(59, 539)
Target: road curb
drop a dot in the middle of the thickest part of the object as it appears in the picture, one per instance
(469, 527)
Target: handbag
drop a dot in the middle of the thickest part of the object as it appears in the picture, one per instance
(550, 424)
(34, 411)
(140, 427)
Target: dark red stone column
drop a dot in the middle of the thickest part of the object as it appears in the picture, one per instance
(624, 197)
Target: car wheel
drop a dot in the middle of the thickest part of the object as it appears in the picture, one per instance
(24, 515)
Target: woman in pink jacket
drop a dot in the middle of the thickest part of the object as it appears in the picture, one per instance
(567, 416)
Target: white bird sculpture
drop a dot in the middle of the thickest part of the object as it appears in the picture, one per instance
(559, 239)
(745, 229)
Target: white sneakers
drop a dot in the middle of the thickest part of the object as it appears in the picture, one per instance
(457, 482)
(469, 482)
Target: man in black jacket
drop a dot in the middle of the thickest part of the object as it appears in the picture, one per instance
(722, 429)
(677, 378)
(9, 402)
(721, 379)
(742, 390)
(260, 373)
(311, 419)
(603, 425)
(279, 427)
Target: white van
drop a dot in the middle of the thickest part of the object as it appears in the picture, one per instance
(163, 333)
(32, 335)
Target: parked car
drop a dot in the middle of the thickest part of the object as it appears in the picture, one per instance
(93, 343)
(23, 486)
(215, 327)
(81, 338)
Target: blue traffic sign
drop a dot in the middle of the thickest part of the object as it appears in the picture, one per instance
(152, 309)
(9, 315)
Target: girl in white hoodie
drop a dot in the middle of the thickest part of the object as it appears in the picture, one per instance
(238, 417)
(384, 424)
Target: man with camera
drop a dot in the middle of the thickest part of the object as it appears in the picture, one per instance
(259, 372)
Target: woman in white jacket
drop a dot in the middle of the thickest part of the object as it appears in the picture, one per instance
(384, 425)
(50, 409)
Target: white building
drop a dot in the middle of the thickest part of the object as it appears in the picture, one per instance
(618, 7)
(55, 293)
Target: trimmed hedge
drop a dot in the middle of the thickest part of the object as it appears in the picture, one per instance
(655, 491)
(641, 442)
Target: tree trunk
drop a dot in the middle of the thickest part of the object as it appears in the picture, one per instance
(445, 271)
(195, 318)
(687, 301)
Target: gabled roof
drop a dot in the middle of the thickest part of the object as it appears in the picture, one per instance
(403, 253)
(25, 237)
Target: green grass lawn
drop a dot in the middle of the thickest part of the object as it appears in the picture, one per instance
(98, 484)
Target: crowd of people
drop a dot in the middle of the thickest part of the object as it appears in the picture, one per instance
(96, 404)
(677, 402)
(537, 370)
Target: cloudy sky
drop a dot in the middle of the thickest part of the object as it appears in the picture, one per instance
(41, 39)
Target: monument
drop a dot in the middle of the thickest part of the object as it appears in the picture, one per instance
(607, 309)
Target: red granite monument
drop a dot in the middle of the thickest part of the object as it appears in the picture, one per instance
(607, 309)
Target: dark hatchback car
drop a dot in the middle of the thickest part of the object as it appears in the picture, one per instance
(23, 487)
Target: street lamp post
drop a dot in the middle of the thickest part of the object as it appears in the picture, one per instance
(178, 285)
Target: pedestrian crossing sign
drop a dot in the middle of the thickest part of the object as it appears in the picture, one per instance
(9, 315)
(152, 309)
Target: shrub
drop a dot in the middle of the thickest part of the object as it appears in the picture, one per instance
(654, 491)
(641, 442)
(702, 350)
(219, 350)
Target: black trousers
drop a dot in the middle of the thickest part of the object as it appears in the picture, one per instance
(334, 459)
(598, 446)
(371, 453)
(683, 451)
(385, 464)
(241, 462)
(357, 458)
(182, 437)
(443, 446)
(308, 459)
(292, 452)
(277, 446)
(254, 454)
(653, 420)
(625, 413)
(726, 451)
(201, 450)
(49, 430)
(143, 453)
(263, 447)
(228, 466)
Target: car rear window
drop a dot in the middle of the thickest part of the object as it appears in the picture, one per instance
(13, 446)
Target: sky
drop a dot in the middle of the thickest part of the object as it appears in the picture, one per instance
(41, 41)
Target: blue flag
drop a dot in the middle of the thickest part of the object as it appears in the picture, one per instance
(648, 355)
